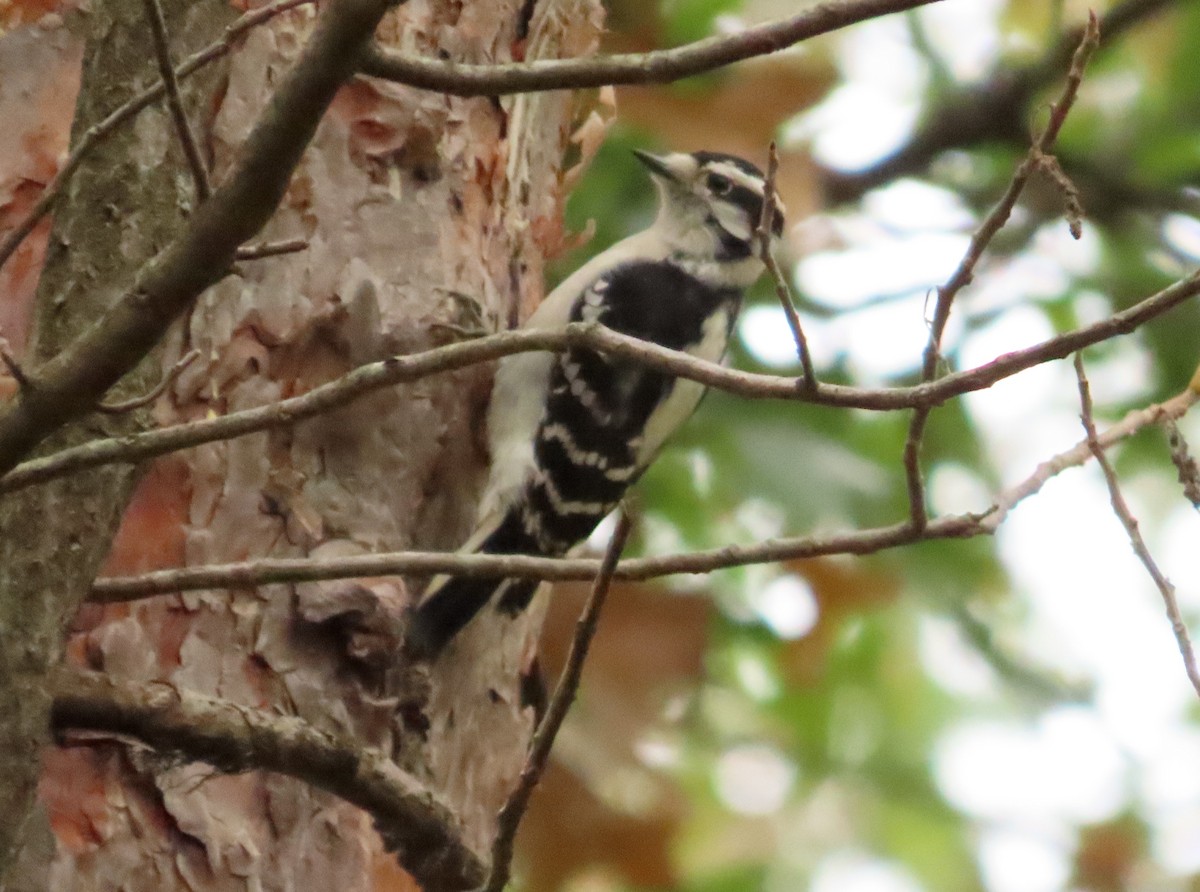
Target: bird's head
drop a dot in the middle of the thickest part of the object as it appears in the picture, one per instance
(710, 202)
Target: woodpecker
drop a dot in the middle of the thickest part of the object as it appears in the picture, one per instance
(570, 432)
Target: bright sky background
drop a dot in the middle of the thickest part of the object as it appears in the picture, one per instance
(1093, 613)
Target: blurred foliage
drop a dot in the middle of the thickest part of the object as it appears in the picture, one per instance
(691, 683)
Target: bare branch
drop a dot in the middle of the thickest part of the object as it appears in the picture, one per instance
(999, 215)
(914, 481)
(249, 574)
(146, 399)
(1134, 421)
(74, 380)
(272, 249)
(659, 67)
(564, 695)
(1121, 509)
(404, 369)
(783, 292)
(162, 49)
(412, 820)
(101, 130)
(965, 272)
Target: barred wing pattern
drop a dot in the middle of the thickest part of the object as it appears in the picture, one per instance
(605, 420)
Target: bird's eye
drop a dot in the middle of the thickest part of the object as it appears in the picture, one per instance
(719, 185)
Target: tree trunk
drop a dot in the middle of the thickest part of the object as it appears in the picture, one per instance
(125, 203)
(406, 198)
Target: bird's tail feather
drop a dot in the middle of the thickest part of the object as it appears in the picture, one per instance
(443, 614)
(450, 602)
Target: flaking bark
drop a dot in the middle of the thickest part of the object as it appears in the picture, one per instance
(402, 197)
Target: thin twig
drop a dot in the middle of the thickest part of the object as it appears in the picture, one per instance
(1181, 457)
(405, 369)
(1125, 515)
(510, 815)
(101, 130)
(248, 574)
(965, 271)
(271, 249)
(783, 291)
(162, 49)
(75, 379)
(147, 398)
(413, 820)
(14, 369)
(1016, 668)
(662, 66)
(999, 215)
(1134, 421)
(914, 481)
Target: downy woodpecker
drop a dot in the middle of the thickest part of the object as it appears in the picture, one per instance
(570, 432)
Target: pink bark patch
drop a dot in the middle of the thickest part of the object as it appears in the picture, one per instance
(151, 533)
(74, 795)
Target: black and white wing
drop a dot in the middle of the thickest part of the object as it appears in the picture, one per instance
(570, 432)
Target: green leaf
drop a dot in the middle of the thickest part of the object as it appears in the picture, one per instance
(688, 20)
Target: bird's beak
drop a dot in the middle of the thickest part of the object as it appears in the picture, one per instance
(658, 165)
